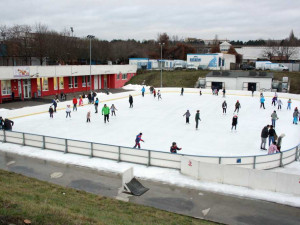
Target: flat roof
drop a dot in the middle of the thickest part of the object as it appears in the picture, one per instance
(235, 74)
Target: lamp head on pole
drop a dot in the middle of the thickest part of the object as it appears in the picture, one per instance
(90, 36)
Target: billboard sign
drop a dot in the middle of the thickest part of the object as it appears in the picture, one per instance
(21, 71)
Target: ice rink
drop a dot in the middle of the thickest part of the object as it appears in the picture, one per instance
(162, 122)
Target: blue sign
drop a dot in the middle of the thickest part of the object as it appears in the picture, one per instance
(195, 59)
(238, 160)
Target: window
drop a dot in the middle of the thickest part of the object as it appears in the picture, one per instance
(88, 81)
(39, 87)
(118, 76)
(6, 87)
(124, 76)
(75, 82)
(55, 84)
(83, 81)
(61, 83)
(70, 82)
(45, 83)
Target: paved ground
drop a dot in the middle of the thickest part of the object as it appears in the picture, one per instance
(200, 204)
(48, 99)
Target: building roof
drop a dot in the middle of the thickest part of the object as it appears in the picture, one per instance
(225, 43)
(236, 74)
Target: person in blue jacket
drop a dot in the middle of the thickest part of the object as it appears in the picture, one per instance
(143, 91)
(138, 139)
(262, 102)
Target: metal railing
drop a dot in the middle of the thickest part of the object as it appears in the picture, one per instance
(144, 156)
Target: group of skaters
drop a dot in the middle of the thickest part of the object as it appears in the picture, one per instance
(6, 124)
(153, 92)
(274, 141)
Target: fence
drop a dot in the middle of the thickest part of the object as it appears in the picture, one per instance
(142, 156)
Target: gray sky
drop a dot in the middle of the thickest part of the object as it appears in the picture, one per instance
(140, 19)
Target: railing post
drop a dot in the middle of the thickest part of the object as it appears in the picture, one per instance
(220, 160)
(23, 135)
(66, 145)
(92, 148)
(119, 154)
(254, 162)
(44, 142)
(297, 152)
(149, 158)
(4, 136)
(281, 159)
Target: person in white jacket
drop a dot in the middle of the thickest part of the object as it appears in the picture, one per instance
(68, 111)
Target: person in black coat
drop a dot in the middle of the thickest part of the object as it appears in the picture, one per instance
(272, 134)
(51, 111)
(234, 122)
(130, 101)
(174, 148)
(54, 102)
(8, 124)
(264, 135)
(182, 90)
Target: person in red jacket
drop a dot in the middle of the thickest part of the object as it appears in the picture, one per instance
(74, 103)
(174, 148)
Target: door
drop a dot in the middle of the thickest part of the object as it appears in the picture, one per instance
(96, 82)
(27, 88)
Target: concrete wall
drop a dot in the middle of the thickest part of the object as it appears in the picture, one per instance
(250, 178)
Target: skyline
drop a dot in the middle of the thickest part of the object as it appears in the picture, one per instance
(108, 20)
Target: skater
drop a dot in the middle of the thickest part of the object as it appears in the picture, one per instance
(1, 123)
(159, 95)
(274, 118)
(8, 124)
(273, 148)
(51, 111)
(289, 104)
(237, 106)
(105, 112)
(200, 92)
(264, 135)
(197, 118)
(154, 93)
(96, 105)
(88, 117)
(94, 95)
(174, 148)
(295, 116)
(224, 91)
(279, 102)
(113, 110)
(151, 89)
(54, 103)
(187, 116)
(137, 140)
(182, 90)
(234, 121)
(80, 101)
(68, 111)
(274, 101)
(279, 141)
(224, 107)
(252, 90)
(74, 103)
(272, 134)
(262, 102)
(90, 98)
(130, 101)
(143, 91)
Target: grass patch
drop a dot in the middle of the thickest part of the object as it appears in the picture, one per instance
(44, 203)
(183, 78)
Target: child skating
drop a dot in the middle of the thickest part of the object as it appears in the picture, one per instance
(138, 139)
(113, 110)
(68, 111)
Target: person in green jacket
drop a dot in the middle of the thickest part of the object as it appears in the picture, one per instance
(105, 112)
(197, 118)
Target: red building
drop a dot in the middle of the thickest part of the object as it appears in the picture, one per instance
(25, 82)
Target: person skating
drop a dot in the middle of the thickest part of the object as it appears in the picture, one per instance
(151, 89)
(90, 98)
(187, 116)
(8, 124)
(113, 110)
(68, 111)
(224, 107)
(237, 106)
(273, 148)
(279, 103)
(264, 135)
(88, 117)
(279, 141)
(51, 111)
(200, 92)
(272, 134)
(197, 118)
(143, 91)
(130, 101)
(80, 101)
(274, 117)
(274, 101)
(295, 116)
(182, 90)
(224, 92)
(74, 103)
(54, 103)
(252, 90)
(138, 139)
(96, 105)
(1, 123)
(154, 93)
(174, 148)
(158, 95)
(234, 121)
(105, 112)
(262, 102)
(289, 104)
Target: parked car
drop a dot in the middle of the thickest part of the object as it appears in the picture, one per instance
(191, 66)
(247, 67)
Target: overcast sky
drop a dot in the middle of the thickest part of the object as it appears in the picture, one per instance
(140, 19)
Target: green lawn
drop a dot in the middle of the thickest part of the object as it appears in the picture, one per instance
(44, 203)
(183, 78)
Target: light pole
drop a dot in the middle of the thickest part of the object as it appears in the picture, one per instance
(90, 37)
(161, 45)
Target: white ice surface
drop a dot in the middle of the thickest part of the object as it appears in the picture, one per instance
(168, 176)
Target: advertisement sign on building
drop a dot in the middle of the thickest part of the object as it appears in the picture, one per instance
(21, 71)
